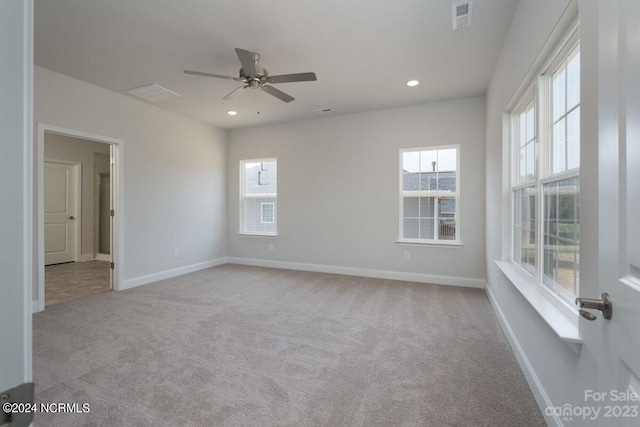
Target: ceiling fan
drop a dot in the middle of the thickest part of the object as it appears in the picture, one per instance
(255, 77)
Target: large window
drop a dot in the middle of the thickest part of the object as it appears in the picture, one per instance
(258, 194)
(429, 195)
(545, 179)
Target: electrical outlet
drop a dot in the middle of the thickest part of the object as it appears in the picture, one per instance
(407, 255)
(270, 247)
(176, 253)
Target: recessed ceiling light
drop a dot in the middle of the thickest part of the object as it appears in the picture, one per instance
(412, 83)
(232, 113)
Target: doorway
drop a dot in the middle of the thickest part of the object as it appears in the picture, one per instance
(78, 230)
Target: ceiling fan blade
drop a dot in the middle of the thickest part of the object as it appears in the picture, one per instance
(288, 78)
(217, 76)
(234, 93)
(247, 61)
(277, 93)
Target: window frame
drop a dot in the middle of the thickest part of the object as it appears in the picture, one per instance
(437, 195)
(242, 197)
(540, 91)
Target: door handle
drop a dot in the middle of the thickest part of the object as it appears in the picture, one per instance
(604, 304)
(72, 217)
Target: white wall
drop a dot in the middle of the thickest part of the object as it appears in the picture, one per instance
(174, 171)
(338, 189)
(61, 147)
(562, 374)
(16, 29)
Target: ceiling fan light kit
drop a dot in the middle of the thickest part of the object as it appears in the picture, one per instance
(254, 77)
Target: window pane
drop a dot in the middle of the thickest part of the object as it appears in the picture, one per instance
(428, 181)
(559, 148)
(530, 170)
(573, 139)
(446, 160)
(428, 161)
(447, 221)
(522, 129)
(410, 208)
(558, 87)
(561, 261)
(531, 128)
(427, 205)
(268, 214)
(525, 146)
(524, 229)
(522, 165)
(426, 228)
(410, 228)
(573, 80)
(410, 171)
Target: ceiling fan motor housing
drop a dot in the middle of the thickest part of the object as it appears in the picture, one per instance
(255, 81)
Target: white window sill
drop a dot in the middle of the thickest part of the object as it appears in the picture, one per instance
(562, 320)
(255, 235)
(445, 243)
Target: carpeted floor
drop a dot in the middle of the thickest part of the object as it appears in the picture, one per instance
(248, 346)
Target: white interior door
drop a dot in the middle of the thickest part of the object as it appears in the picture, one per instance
(619, 373)
(60, 213)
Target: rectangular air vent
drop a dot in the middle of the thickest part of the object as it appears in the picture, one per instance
(152, 92)
(322, 110)
(461, 14)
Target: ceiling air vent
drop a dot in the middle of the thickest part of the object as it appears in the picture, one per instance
(153, 93)
(322, 110)
(461, 14)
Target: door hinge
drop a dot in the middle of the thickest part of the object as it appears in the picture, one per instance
(22, 394)
(113, 265)
(113, 212)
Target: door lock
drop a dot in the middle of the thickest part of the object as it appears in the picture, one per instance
(603, 304)
(72, 217)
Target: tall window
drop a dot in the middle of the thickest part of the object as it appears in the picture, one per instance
(429, 195)
(258, 196)
(546, 175)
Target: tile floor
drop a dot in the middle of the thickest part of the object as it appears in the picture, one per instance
(64, 282)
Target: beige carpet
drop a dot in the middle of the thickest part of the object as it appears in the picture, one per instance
(246, 346)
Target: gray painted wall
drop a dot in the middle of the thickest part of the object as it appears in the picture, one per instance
(563, 374)
(174, 171)
(338, 188)
(60, 147)
(16, 29)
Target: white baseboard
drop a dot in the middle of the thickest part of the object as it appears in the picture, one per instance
(363, 272)
(35, 306)
(167, 274)
(541, 396)
(91, 257)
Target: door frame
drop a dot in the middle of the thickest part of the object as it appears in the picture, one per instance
(117, 180)
(77, 166)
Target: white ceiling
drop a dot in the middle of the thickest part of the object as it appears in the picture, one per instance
(363, 51)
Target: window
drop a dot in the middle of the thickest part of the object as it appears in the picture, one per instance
(545, 175)
(429, 195)
(258, 194)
